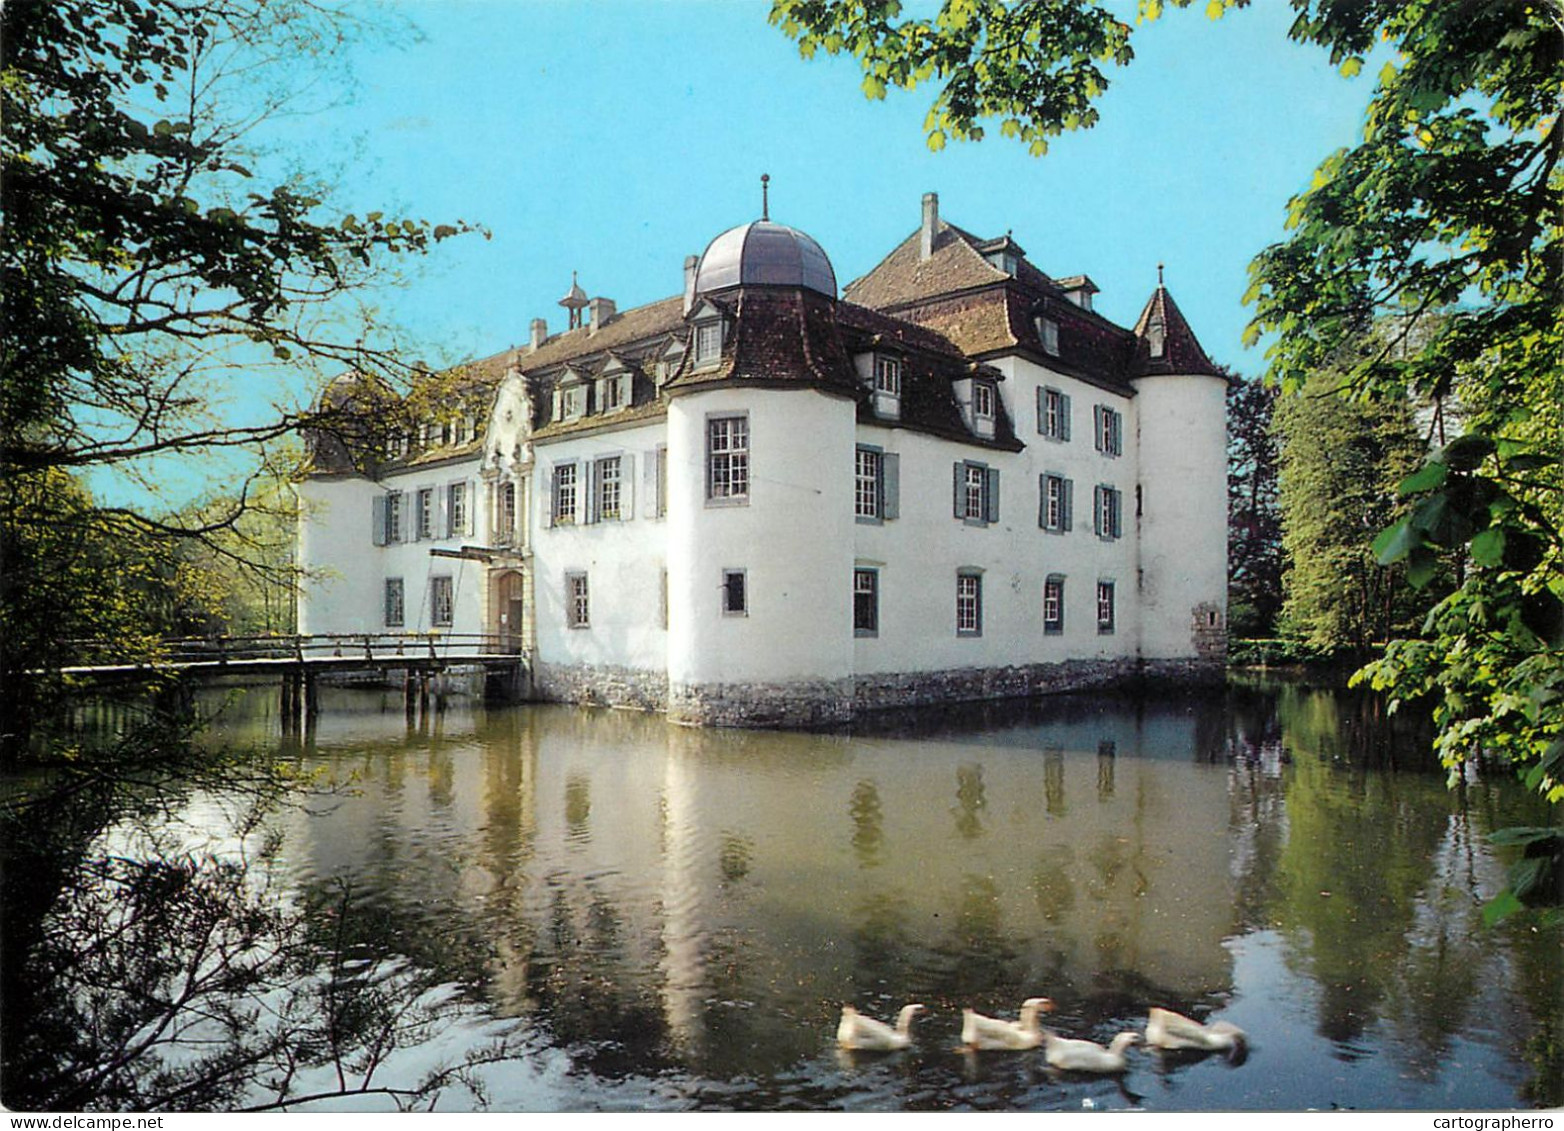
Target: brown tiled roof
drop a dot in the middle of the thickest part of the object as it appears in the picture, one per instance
(904, 277)
(623, 329)
(1181, 352)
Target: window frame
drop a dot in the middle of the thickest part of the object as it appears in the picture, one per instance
(969, 603)
(395, 531)
(1048, 334)
(505, 511)
(1053, 604)
(606, 490)
(423, 518)
(735, 598)
(1109, 430)
(442, 601)
(1053, 414)
(398, 587)
(1107, 612)
(561, 515)
(869, 486)
(984, 400)
(708, 338)
(1108, 512)
(457, 509)
(871, 575)
(578, 600)
(887, 375)
(733, 459)
(1054, 487)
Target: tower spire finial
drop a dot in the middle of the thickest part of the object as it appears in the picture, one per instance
(1159, 274)
(765, 196)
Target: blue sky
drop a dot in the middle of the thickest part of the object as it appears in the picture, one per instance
(614, 137)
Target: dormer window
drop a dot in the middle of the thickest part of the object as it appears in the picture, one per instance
(887, 375)
(1048, 335)
(708, 342)
(613, 388)
(983, 401)
(1156, 337)
(459, 430)
(885, 394)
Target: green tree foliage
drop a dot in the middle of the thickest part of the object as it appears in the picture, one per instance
(150, 275)
(1340, 462)
(1254, 529)
(1445, 221)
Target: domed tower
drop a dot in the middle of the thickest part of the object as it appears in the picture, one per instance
(1181, 497)
(761, 423)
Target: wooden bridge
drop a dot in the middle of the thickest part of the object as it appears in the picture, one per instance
(298, 661)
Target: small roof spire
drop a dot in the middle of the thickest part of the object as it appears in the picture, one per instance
(765, 197)
(1159, 274)
(575, 301)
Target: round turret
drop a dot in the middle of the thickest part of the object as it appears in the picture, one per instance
(766, 254)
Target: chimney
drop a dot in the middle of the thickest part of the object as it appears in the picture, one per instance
(930, 224)
(600, 310)
(539, 334)
(691, 262)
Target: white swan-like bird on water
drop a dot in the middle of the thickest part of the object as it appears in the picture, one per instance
(979, 1032)
(1173, 1031)
(1070, 1055)
(856, 1031)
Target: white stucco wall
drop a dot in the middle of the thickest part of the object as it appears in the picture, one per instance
(622, 559)
(1182, 428)
(793, 537)
(345, 591)
(920, 553)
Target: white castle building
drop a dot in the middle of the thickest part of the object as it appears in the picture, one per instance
(764, 503)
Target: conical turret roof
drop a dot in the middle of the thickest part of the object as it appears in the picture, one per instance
(1181, 352)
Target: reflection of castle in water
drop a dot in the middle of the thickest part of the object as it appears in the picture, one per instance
(613, 872)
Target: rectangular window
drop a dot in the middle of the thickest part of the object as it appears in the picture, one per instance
(976, 493)
(1048, 334)
(969, 604)
(394, 517)
(564, 493)
(1105, 608)
(456, 510)
(441, 602)
(982, 401)
(1107, 503)
(735, 598)
(606, 473)
(1053, 604)
(459, 430)
(425, 517)
(866, 602)
(1053, 414)
(611, 393)
(577, 602)
(867, 485)
(395, 609)
(708, 341)
(1055, 502)
(727, 459)
(887, 375)
(1109, 430)
(505, 516)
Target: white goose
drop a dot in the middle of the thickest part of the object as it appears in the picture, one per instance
(1168, 1030)
(1070, 1055)
(979, 1032)
(855, 1031)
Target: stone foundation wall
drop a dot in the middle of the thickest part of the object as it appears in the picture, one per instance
(588, 686)
(811, 704)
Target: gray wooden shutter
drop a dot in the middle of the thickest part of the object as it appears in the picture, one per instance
(1042, 502)
(1097, 429)
(626, 487)
(589, 484)
(553, 492)
(378, 519)
(1069, 504)
(890, 477)
(583, 496)
(1097, 527)
(1064, 417)
(649, 483)
(1115, 507)
(1042, 411)
(957, 476)
(991, 500)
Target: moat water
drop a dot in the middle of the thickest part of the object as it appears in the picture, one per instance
(671, 919)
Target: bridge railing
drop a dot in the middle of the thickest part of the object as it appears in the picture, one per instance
(372, 647)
